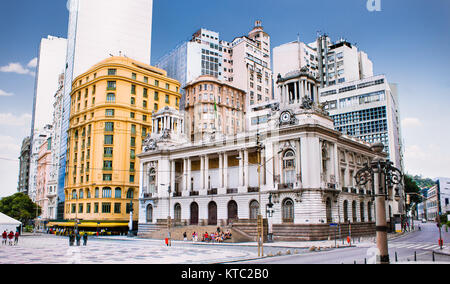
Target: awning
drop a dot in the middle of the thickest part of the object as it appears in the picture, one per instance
(87, 225)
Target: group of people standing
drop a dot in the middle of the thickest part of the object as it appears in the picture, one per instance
(77, 236)
(10, 236)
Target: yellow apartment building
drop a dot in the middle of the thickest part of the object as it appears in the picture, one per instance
(111, 114)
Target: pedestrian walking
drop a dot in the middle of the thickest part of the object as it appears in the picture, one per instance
(71, 239)
(11, 236)
(16, 238)
(4, 238)
(78, 239)
(85, 239)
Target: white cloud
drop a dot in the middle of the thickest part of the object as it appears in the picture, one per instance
(16, 68)
(429, 160)
(33, 63)
(411, 122)
(9, 119)
(5, 94)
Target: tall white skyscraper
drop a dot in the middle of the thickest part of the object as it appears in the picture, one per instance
(99, 29)
(51, 61)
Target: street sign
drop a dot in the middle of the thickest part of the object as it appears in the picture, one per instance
(333, 225)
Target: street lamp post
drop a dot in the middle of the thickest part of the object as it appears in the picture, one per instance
(383, 175)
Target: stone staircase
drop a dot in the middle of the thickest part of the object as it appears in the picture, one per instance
(319, 232)
(146, 229)
(245, 230)
(159, 232)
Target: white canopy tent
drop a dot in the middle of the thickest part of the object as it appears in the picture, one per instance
(7, 223)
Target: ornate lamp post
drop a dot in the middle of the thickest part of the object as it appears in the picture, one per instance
(383, 176)
(269, 214)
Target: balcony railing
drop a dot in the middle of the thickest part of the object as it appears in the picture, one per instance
(177, 194)
(232, 190)
(332, 185)
(354, 190)
(253, 189)
(344, 189)
(286, 186)
(193, 193)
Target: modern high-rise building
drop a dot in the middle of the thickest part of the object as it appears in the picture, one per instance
(51, 61)
(97, 30)
(245, 62)
(112, 106)
(24, 168)
(39, 138)
(332, 63)
(369, 110)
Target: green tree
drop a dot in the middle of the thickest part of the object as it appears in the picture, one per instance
(412, 187)
(20, 207)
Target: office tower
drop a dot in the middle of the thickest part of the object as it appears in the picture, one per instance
(244, 63)
(367, 109)
(332, 63)
(112, 106)
(97, 30)
(24, 168)
(39, 138)
(51, 61)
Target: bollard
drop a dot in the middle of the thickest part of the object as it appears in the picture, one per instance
(396, 258)
(354, 262)
(433, 257)
(365, 261)
(415, 256)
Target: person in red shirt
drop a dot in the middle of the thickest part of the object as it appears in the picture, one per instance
(11, 236)
(5, 237)
(16, 238)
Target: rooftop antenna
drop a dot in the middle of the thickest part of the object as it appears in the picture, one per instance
(298, 37)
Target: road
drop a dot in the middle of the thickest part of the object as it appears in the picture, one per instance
(419, 244)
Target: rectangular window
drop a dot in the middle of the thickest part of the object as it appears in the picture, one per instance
(132, 115)
(155, 106)
(133, 142)
(145, 79)
(95, 207)
(112, 72)
(118, 193)
(156, 83)
(88, 208)
(131, 178)
(145, 93)
(107, 165)
(132, 154)
(107, 177)
(109, 126)
(108, 152)
(167, 86)
(133, 76)
(133, 129)
(144, 104)
(111, 86)
(106, 207)
(109, 112)
(144, 117)
(80, 208)
(156, 96)
(133, 89)
(109, 139)
(167, 99)
(117, 208)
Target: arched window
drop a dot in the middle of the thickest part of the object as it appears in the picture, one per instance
(152, 181)
(254, 209)
(130, 193)
(106, 192)
(212, 213)
(177, 214)
(355, 219)
(328, 211)
(111, 98)
(97, 192)
(362, 211)
(194, 213)
(81, 194)
(118, 193)
(289, 167)
(149, 214)
(288, 211)
(88, 193)
(345, 211)
(74, 194)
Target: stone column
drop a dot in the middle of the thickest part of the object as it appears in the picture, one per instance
(142, 182)
(295, 92)
(297, 162)
(207, 172)
(172, 175)
(184, 175)
(246, 168)
(225, 170)
(241, 169)
(189, 170)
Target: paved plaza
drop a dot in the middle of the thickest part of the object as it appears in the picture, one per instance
(47, 249)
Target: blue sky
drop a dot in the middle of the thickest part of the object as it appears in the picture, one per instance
(408, 41)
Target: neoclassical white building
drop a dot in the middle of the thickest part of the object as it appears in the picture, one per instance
(306, 168)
